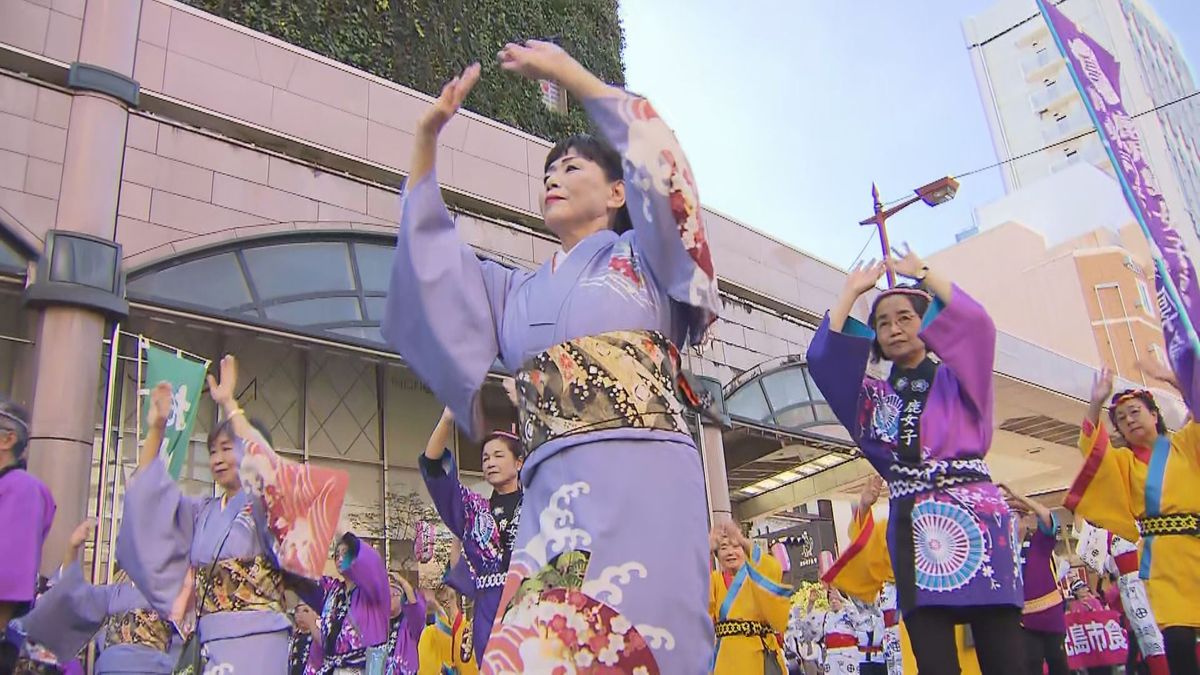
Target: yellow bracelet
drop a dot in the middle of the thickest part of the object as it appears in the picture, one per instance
(235, 413)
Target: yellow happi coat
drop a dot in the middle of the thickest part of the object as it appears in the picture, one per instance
(861, 572)
(755, 593)
(1113, 491)
(441, 648)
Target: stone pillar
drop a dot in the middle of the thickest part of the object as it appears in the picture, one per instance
(71, 327)
(715, 477)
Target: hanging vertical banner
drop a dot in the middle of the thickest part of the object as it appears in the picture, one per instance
(187, 381)
(1097, 76)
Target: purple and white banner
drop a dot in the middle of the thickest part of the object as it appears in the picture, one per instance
(1097, 75)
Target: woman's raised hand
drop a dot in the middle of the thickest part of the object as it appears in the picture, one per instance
(863, 277)
(447, 104)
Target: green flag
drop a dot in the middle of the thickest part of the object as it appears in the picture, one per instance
(187, 381)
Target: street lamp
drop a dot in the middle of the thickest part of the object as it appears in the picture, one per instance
(939, 191)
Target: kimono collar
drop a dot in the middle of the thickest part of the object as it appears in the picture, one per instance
(589, 242)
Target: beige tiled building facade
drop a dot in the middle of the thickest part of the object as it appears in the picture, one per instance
(253, 190)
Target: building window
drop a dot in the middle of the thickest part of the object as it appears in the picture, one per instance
(1144, 300)
(328, 286)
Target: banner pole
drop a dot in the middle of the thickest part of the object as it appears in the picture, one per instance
(1155, 250)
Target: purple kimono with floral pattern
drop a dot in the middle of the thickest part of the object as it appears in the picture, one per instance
(611, 563)
(963, 536)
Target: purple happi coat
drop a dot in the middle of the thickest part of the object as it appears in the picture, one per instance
(484, 557)
(404, 636)
(359, 614)
(165, 533)
(26, 512)
(73, 610)
(613, 533)
(963, 538)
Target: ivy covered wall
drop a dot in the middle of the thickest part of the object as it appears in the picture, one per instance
(423, 43)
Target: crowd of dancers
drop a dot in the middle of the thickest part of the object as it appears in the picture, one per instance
(591, 554)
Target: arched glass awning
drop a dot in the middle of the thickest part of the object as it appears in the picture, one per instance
(332, 286)
(780, 395)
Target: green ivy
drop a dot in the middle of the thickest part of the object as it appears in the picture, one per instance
(422, 43)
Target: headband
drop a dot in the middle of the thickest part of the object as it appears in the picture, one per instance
(18, 420)
(1132, 394)
(503, 434)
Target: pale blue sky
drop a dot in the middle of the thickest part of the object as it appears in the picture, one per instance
(789, 109)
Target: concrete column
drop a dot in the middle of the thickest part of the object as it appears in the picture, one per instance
(68, 353)
(715, 477)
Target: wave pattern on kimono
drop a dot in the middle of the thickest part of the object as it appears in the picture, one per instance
(486, 548)
(136, 638)
(750, 612)
(603, 544)
(962, 536)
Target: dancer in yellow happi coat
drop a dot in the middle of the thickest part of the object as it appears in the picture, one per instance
(1148, 491)
(445, 645)
(748, 603)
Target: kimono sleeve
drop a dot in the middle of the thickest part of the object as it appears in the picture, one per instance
(368, 572)
(447, 493)
(26, 511)
(154, 542)
(457, 505)
(414, 616)
(715, 595)
(1100, 493)
(1187, 439)
(661, 196)
(771, 596)
(444, 306)
(838, 364)
(963, 336)
(861, 570)
(69, 614)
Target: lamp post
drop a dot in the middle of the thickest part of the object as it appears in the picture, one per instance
(939, 191)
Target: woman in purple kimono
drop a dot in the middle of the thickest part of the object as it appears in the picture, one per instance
(135, 638)
(926, 428)
(613, 538)
(487, 527)
(408, 620)
(26, 512)
(354, 609)
(165, 536)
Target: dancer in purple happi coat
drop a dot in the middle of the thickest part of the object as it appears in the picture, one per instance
(486, 526)
(926, 428)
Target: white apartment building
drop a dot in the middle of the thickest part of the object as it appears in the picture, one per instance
(1030, 101)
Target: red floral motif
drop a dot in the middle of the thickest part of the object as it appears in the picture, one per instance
(624, 266)
(687, 213)
(564, 631)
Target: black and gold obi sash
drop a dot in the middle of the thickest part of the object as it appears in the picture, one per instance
(142, 627)
(614, 380)
(240, 586)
